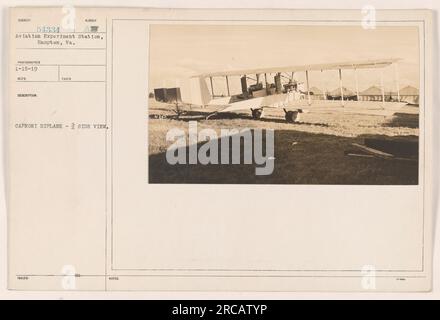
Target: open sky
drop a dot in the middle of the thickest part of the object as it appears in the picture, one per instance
(180, 51)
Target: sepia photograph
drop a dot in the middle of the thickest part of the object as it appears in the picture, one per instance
(283, 104)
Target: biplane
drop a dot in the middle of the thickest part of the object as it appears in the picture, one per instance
(277, 88)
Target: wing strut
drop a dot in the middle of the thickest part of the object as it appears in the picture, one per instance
(382, 86)
(340, 85)
(212, 87)
(396, 73)
(357, 83)
(308, 87)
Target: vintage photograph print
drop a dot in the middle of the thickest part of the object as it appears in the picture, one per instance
(283, 104)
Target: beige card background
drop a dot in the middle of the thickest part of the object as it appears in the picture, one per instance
(79, 199)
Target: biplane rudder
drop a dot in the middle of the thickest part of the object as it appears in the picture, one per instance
(199, 92)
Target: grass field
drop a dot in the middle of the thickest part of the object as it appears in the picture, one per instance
(309, 152)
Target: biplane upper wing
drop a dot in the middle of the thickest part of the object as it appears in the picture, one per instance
(366, 64)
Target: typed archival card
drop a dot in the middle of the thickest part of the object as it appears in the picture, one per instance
(224, 150)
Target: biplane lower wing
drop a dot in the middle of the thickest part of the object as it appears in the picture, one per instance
(321, 106)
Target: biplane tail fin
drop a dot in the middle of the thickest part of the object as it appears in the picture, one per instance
(199, 93)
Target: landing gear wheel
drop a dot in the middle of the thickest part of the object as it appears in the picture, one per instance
(291, 116)
(257, 113)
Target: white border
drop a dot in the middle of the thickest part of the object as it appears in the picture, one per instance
(302, 4)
